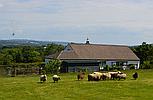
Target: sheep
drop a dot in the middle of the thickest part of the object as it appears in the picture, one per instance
(104, 77)
(43, 78)
(94, 77)
(56, 78)
(121, 76)
(90, 77)
(99, 73)
(114, 74)
(107, 75)
(81, 76)
(135, 75)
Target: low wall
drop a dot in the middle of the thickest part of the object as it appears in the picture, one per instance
(20, 69)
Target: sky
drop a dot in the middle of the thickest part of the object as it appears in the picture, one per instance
(127, 22)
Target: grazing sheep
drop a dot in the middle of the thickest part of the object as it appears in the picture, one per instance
(43, 78)
(56, 78)
(94, 77)
(81, 76)
(104, 77)
(121, 76)
(100, 75)
(90, 77)
(114, 74)
(135, 75)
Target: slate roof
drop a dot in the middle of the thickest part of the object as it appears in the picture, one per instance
(97, 51)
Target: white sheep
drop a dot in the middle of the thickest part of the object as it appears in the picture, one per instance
(56, 78)
(106, 76)
(121, 76)
(94, 76)
(43, 78)
(113, 75)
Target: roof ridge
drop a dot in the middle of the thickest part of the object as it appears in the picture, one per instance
(60, 54)
(99, 44)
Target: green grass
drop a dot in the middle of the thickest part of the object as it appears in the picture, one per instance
(68, 88)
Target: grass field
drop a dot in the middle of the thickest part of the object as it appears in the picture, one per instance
(68, 88)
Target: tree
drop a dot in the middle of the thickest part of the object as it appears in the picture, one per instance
(146, 65)
(53, 66)
(6, 57)
(145, 53)
(30, 55)
(53, 48)
(27, 54)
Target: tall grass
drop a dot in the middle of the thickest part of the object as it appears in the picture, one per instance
(68, 88)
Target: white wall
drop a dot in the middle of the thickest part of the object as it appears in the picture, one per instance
(136, 63)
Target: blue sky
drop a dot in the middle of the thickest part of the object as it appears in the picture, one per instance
(127, 22)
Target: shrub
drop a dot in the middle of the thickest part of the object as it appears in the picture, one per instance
(53, 66)
(146, 65)
(107, 68)
(132, 66)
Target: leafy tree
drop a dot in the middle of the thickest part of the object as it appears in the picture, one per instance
(16, 54)
(53, 66)
(146, 65)
(30, 55)
(6, 57)
(27, 54)
(53, 48)
(145, 53)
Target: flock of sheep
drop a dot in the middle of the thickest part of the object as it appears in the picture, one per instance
(95, 76)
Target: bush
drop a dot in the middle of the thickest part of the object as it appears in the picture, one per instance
(146, 65)
(107, 68)
(43, 72)
(132, 66)
(116, 67)
(53, 66)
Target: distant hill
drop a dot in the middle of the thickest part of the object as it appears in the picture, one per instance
(17, 42)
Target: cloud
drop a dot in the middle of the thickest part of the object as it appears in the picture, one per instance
(124, 17)
(1, 5)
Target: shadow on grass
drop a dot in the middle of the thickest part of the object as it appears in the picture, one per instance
(41, 82)
(133, 79)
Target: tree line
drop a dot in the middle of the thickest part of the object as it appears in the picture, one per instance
(20, 55)
(27, 54)
(145, 53)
